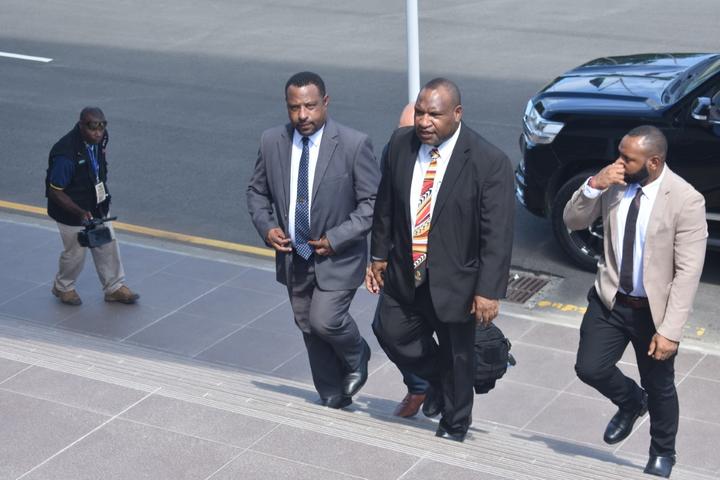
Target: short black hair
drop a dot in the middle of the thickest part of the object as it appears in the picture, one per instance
(448, 85)
(302, 79)
(655, 140)
(93, 111)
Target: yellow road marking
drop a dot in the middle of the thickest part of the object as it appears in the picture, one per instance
(563, 307)
(157, 233)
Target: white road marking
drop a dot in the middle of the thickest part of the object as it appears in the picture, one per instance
(25, 57)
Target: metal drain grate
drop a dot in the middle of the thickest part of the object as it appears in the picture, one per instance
(522, 286)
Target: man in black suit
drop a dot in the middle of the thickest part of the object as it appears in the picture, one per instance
(441, 245)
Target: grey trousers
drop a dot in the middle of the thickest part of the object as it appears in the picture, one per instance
(332, 339)
(106, 258)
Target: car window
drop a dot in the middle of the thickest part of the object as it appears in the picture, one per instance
(694, 79)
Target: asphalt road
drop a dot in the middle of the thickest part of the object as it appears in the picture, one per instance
(189, 85)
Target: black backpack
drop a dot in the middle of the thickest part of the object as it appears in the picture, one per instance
(492, 357)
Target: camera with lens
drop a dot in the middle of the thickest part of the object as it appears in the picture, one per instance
(95, 233)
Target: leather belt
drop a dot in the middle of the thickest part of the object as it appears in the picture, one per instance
(631, 302)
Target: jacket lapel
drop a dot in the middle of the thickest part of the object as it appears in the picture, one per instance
(406, 168)
(616, 195)
(284, 154)
(457, 162)
(328, 144)
(659, 209)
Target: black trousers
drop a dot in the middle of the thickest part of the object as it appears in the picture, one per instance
(331, 336)
(405, 333)
(604, 335)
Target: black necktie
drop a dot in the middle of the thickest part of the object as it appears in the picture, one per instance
(302, 211)
(626, 268)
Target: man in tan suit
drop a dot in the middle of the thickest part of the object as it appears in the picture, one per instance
(655, 238)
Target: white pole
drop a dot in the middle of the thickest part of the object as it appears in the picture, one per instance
(413, 49)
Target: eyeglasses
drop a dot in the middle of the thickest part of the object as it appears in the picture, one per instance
(94, 126)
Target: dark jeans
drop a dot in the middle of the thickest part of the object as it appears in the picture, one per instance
(604, 335)
(405, 333)
(414, 383)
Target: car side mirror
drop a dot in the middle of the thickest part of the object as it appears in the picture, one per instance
(700, 109)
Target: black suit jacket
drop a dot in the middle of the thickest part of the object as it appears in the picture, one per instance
(470, 239)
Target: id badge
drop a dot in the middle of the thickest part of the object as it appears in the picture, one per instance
(100, 192)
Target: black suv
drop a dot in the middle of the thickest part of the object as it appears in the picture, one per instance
(573, 126)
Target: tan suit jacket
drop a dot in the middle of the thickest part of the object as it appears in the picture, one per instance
(674, 252)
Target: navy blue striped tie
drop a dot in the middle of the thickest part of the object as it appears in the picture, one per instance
(302, 211)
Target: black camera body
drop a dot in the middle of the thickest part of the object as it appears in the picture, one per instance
(95, 233)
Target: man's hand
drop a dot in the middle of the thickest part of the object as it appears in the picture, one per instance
(377, 268)
(276, 238)
(613, 174)
(662, 348)
(322, 247)
(370, 283)
(484, 309)
(86, 217)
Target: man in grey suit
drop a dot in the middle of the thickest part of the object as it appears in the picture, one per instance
(655, 239)
(311, 198)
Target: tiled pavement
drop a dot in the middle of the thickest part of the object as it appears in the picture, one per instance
(206, 378)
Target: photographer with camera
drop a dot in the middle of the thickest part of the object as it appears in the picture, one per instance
(76, 189)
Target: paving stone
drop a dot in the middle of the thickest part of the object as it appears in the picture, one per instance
(203, 269)
(335, 454)
(254, 349)
(709, 367)
(128, 450)
(38, 265)
(543, 367)
(511, 403)
(73, 390)
(199, 421)
(258, 466)
(39, 306)
(279, 319)
(163, 290)
(141, 262)
(182, 334)
(8, 368)
(259, 281)
(513, 328)
(113, 321)
(32, 430)
(575, 418)
(234, 306)
(553, 336)
(11, 287)
(696, 443)
(430, 470)
(695, 396)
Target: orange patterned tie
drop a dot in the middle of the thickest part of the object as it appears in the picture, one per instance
(422, 221)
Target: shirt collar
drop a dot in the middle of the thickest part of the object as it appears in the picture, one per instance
(446, 148)
(651, 189)
(314, 139)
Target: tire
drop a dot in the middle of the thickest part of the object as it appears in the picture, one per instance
(583, 247)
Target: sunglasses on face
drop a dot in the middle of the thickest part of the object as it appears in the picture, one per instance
(94, 126)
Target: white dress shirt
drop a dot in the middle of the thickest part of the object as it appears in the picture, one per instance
(297, 146)
(647, 200)
(421, 165)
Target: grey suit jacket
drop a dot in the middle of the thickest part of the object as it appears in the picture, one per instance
(674, 251)
(343, 197)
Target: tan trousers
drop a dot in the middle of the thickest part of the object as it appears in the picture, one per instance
(106, 258)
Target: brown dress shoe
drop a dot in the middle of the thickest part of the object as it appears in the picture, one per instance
(409, 405)
(122, 295)
(68, 298)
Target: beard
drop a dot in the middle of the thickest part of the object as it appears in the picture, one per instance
(638, 177)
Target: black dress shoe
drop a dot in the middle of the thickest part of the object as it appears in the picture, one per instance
(454, 436)
(353, 381)
(433, 404)
(622, 422)
(660, 466)
(337, 401)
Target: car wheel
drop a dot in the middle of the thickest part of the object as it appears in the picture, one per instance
(583, 247)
